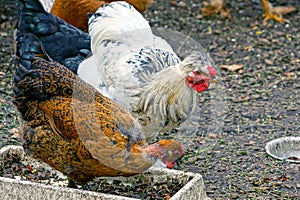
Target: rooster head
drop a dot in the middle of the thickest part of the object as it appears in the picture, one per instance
(199, 71)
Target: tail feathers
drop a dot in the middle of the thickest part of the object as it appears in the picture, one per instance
(63, 42)
(28, 49)
(37, 75)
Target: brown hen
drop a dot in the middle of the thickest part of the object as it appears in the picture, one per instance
(76, 12)
(75, 129)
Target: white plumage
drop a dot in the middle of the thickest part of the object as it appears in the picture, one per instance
(140, 70)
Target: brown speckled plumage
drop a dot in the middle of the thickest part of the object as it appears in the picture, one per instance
(75, 129)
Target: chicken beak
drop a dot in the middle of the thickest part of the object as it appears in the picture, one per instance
(213, 81)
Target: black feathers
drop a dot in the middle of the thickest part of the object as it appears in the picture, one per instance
(63, 42)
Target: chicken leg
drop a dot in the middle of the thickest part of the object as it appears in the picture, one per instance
(275, 13)
(215, 7)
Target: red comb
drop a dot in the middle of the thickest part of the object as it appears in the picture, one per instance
(212, 71)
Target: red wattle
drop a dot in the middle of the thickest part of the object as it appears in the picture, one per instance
(201, 87)
(171, 165)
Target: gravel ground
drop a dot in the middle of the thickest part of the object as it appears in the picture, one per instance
(262, 100)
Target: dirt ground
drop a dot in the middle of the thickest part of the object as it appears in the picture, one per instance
(261, 101)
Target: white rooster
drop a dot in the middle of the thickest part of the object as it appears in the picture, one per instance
(141, 71)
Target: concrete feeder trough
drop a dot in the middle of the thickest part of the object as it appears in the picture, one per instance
(193, 188)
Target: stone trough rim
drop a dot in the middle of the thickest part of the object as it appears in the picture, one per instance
(182, 194)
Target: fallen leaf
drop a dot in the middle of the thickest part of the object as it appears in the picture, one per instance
(264, 40)
(246, 48)
(212, 136)
(13, 130)
(173, 3)
(295, 61)
(232, 68)
(3, 34)
(199, 16)
(289, 74)
(250, 143)
(16, 133)
(283, 179)
(167, 196)
(180, 4)
(269, 62)
(218, 32)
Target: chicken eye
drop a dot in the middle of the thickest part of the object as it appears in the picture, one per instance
(196, 73)
(189, 81)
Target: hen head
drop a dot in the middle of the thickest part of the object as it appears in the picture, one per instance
(199, 71)
(166, 150)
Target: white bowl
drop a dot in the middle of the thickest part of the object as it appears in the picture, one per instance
(285, 148)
